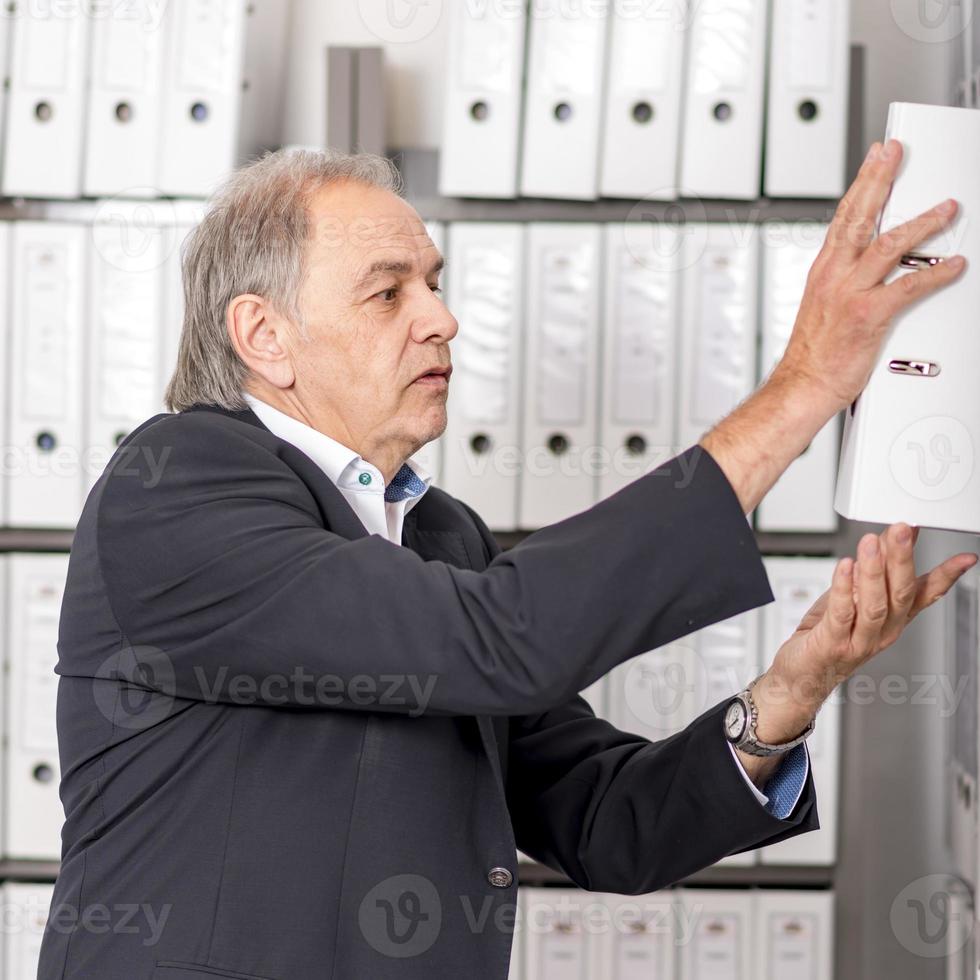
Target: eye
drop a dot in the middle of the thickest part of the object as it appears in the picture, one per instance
(436, 288)
(388, 295)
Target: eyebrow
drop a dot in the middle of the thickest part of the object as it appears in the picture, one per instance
(397, 268)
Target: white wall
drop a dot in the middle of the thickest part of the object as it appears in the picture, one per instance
(414, 40)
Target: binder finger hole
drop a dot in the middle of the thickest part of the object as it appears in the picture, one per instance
(563, 112)
(43, 773)
(722, 111)
(808, 110)
(44, 111)
(636, 445)
(642, 112)
(199, 112)
(479, 111)
(124, 112)
(46, 441)
(480, 443)
(558, 444)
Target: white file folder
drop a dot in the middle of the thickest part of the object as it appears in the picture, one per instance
(722, 659)
(563, 101)
(121, 145)
(558, 945)
(645, 81)
(516, 969)
(186, 215)
(719, 661)
(202, 93)
(724, 99)
(559, 430)
(803, 497)
(646, 695)
(482, 112)
(45, 429)
(597, 696)
(796, 584)
(720, 302)
(641, 939)
(130, 243)
(806, 122)
(26, 913)
(32, 812)
(6, 340)
(794, 935)
(482, 458)
(46, 107)
(639, 339)
(911, 438)
(718, 924)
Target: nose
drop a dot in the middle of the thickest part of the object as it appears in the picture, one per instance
(435, 322)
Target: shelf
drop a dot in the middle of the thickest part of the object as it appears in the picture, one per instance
(770, 543)
(29, 870)
(750, 876)
(29, 539)
(419, 170)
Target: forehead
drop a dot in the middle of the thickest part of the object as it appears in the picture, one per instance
(355, 224)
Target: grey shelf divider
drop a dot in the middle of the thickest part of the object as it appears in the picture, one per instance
(719, 876)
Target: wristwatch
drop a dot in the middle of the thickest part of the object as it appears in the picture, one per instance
(741, 717)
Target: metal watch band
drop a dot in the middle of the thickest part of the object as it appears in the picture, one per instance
(749, 741)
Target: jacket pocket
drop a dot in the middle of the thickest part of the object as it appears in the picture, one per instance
(191, 971)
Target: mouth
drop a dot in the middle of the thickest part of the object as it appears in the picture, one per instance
(437, 377)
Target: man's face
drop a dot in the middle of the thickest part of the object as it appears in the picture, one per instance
(375, 321)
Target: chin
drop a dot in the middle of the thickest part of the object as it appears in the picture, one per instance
(431, 425)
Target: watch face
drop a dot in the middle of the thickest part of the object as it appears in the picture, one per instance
(735, 721)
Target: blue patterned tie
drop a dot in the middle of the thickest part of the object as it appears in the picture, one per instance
(405, 483)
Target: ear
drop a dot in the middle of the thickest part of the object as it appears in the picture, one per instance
(260, 337)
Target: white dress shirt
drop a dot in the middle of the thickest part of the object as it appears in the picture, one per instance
(359, 481)
(363, 487)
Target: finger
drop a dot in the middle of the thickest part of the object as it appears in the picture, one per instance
(840, 603)
(886, 251)
(872, 595)
(932, 586)
(912, 286)
(915, 535)
(899, 574)
(856, 217)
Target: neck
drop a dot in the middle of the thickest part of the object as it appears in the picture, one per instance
(387, 457)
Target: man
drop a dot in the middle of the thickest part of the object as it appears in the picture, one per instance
(307, 709)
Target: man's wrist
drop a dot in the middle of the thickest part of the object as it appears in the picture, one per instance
(785, 709)
(808, 389)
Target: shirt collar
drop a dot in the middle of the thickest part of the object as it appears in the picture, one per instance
(342, 465)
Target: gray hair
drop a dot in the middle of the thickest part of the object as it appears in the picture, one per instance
(253, 240)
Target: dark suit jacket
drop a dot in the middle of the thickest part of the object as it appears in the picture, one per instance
(250, 787)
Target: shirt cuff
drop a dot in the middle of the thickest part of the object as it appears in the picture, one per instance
(785, 786)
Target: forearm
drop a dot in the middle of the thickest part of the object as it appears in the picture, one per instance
(758, 441)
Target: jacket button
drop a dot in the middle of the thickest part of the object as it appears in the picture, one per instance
(500, 878)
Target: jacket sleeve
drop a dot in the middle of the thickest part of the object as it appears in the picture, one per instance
(218, 558)
(618, 813)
